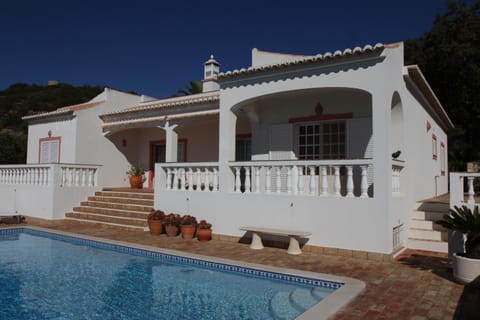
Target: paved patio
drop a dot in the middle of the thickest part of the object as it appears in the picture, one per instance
(418, 285)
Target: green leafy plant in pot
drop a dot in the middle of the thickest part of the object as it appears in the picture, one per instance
(135, 174)
(466, 266)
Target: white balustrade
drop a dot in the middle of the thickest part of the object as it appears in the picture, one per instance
(77, 176)
(458, 195)
(194, 177)
(43, 175)
(333, 178)
(396, 174)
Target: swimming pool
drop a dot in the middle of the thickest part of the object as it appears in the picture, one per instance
(46, 275)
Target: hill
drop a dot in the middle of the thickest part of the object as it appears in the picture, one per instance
(22, 99)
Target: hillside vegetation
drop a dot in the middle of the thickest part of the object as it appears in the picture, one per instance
(22, 99)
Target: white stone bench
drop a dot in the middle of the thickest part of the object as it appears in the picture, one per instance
(293, 247)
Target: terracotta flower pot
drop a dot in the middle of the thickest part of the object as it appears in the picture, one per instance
(155, 227)
(204, 234)
(171, 230)
(136, 182)
(188, 231)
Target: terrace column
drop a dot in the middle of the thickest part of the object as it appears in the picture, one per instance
(226, 152)
(171, 144)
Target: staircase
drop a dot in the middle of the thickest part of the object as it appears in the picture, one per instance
(120, 208)
(288, 305)
(424, 233)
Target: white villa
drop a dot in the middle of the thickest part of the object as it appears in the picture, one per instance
(296, 142)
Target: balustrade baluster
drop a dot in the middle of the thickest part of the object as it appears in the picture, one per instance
(175, 179)
(190, 179)
(182, 179)
(238, 183)
(169, 179)
(289, 179)
(471, 191)
(301, 183)
(215, 180)
(199, 180)
(247, 180)
(257, 179)
(278, 179)
(349, 182)
(336, 181)
(268, 180)
(324, 181)
(364, 183)
(311, 185)
(207, 180)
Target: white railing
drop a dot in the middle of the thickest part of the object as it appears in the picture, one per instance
(78, 176)
(25, 175)
(338, 178)
(195, 176)
(458, 196)
(397, 167)
(69, 175)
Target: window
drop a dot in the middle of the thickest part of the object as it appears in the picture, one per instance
(321, 140)
(49, 150)
(434, 147)
(243, 148)
(442, 158)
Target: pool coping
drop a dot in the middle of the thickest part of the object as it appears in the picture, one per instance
(326, 308)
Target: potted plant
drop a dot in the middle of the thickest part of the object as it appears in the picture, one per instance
(135, 174)
(188, 226)
(171, 223)
(155, 221)
(204, 231)
(466, 266)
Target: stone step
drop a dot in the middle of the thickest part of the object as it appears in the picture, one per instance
(424, 234)
(428, 215)
(112, 212)
(434, 207)
(108, 225)
(427, 245)
(426, 225)
(302, 299)
(143, 202)
(130, 195)
(108, 219)
(109, 205)
(280, 307)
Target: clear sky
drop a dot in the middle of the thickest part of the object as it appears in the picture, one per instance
(153, 47)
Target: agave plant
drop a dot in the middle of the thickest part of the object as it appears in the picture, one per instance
(466, 221)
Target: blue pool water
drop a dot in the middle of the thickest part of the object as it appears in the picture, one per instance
(50, 276)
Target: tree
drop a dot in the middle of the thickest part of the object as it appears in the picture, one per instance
(449, 56)
(193, 87)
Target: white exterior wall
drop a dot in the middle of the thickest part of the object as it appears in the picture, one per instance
(202, 139)
(359, 224)
(94, 148)
(64, 128)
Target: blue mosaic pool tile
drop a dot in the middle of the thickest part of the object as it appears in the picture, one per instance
(177, 259)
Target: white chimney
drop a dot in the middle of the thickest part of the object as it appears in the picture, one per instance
(211, 71)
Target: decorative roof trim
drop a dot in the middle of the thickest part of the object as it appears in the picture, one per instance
(170, 102)
(161, 118)
(305, 60)
(63, 110)
(416, 75)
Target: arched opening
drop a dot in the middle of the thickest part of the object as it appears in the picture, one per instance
(397, 144)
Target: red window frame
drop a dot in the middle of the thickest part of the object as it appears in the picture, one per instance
(59, 138)
(434, 147)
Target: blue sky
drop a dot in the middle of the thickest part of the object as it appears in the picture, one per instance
(153, 47)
